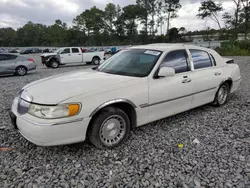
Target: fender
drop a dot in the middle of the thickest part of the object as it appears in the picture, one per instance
(114, 101)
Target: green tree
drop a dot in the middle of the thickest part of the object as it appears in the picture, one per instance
(171, 7)
(110, 15)
(209, 9)
(246, 15)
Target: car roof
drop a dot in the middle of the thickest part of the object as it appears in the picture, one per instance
(9, 54)
(168, 46)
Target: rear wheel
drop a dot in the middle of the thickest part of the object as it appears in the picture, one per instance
(96, 61)
(109, 129)
(21, 71)
(222, 95)
(54, 64)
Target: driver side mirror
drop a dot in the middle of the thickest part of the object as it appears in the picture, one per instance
(166, 72)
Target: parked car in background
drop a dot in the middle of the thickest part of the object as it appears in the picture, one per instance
(47, 50)
(36, 50)
(3, 50)
(73, 55)
(26, 51)
(15, 64)
(13, 51)
(136, 86)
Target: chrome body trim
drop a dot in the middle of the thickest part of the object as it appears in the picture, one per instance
(237, 79)
(169, 100)
(112, 102)
(52, 124)
(26, 96)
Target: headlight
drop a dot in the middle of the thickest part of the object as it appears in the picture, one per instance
(54, 112)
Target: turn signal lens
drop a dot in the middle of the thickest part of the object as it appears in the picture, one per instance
(73, 109)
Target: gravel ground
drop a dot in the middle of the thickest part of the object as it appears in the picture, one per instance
(150, 158)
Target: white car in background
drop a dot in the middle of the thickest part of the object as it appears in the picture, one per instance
(73, 55)
(136, 86)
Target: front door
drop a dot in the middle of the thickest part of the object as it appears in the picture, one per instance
(65, 56)
(171, 95)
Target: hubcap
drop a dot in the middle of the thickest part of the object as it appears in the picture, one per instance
(96, 61)
(54, 64)
(112, 130)
(21, 71)
(222, 95)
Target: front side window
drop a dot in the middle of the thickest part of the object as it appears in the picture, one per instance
(133, 62)
(201, 59)
(176, 60)
(66, 51)
(75, 50)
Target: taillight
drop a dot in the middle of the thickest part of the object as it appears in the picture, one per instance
(32, 60)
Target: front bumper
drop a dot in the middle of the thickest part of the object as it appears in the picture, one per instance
(49, 132)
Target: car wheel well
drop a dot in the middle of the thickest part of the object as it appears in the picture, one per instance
(21, 66)
(126, 107)
(229, 82)
(96, 57)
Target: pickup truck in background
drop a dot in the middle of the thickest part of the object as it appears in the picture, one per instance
(73, 55)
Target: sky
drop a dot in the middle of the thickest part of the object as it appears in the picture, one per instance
(15, 13)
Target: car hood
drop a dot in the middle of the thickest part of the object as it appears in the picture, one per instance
(48, 54)
(55, 89)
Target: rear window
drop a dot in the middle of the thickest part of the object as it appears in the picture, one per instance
(201, 59)
(75, 50)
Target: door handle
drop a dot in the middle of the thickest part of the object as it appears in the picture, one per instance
(217, 73)
(79, 54)
(69, 54)
(187, 80)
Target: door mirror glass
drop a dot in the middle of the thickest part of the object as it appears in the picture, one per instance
(166, 72)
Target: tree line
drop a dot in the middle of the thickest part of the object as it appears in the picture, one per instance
(138, 23)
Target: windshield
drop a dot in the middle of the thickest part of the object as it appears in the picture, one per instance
(58, 50)
(133, 62)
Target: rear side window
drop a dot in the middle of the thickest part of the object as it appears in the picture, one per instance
(201, 59)
(75, 50)
(5, 57)
(176, 60)
(66, 51)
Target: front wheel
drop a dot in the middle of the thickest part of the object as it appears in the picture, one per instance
(96, 61)
(109, 129)
(222, 95)
(54, 64)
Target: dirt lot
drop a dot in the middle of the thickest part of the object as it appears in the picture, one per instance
(150, 157)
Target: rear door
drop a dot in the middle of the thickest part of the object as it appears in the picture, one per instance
(7, 63)
(76, 55)
(206, 77)
(65, 56)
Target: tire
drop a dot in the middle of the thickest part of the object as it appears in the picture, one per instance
(109, 129)
(222, 95)
(21, 71)
(54, 64)
(96, 61)
(47, 65)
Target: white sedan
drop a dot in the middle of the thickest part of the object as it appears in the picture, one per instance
(136, 86)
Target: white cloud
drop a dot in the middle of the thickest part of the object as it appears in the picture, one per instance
(15, 13)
